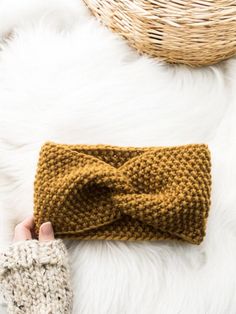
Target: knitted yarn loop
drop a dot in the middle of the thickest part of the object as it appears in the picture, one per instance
(123, 193)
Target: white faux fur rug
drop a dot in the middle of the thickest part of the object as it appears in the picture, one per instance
(65, 78)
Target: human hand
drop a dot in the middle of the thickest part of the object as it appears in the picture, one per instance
(34, 265)
(25, 230)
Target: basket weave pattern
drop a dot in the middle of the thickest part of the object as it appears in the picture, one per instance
(191, 32)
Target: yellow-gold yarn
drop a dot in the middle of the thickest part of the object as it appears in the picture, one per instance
(123, 193)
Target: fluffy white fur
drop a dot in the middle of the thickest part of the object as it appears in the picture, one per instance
(65, 78)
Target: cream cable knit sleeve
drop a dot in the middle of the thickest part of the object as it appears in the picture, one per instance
(35, 277)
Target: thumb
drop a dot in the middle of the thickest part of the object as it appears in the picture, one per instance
(46, 232)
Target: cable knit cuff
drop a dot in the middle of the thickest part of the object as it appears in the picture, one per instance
(35, 277)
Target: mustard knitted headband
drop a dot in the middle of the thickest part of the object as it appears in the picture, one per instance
(123, 193)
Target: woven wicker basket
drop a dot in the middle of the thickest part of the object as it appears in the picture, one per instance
(193, 32)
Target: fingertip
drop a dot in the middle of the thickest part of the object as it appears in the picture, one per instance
(46, 232)
(28, 222)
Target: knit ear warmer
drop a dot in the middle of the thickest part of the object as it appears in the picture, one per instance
(123, 193)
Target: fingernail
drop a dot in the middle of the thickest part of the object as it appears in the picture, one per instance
(46, 228)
